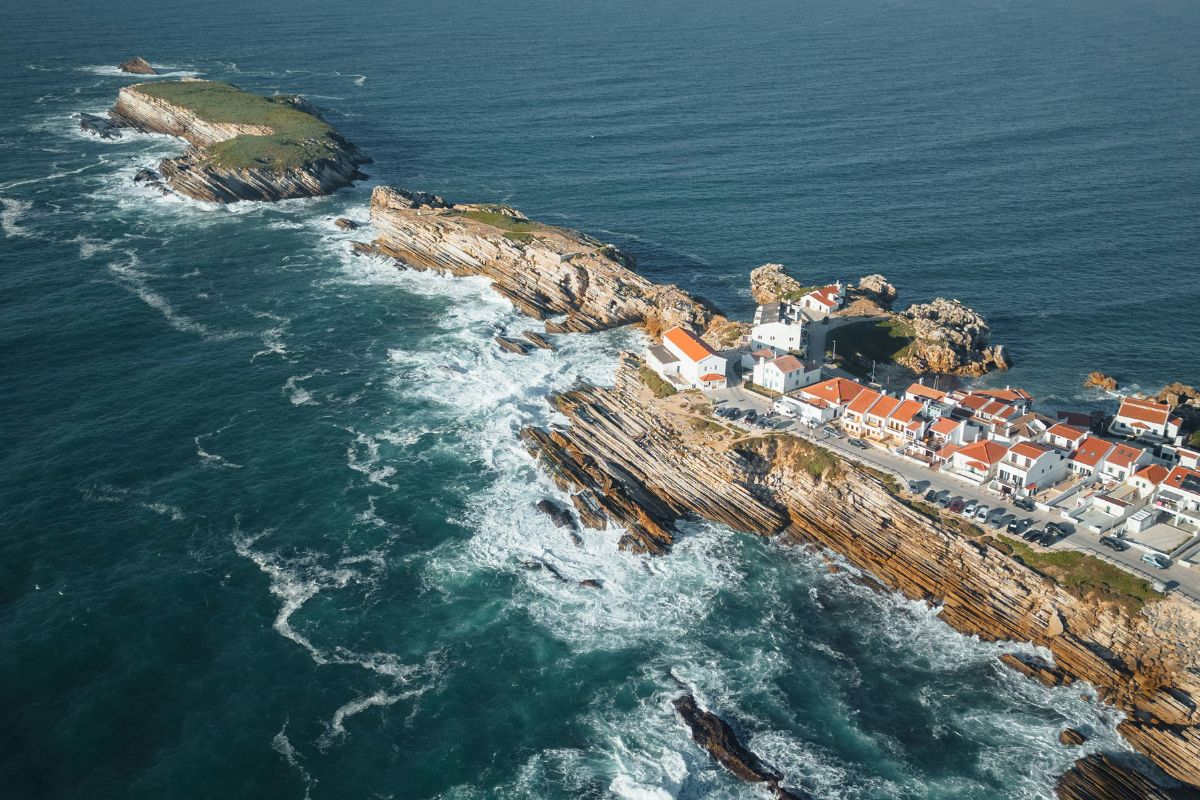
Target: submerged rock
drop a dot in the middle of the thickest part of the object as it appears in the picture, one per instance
(512, 345)
(716, 736)
(103, 127)
(538, 340)
(559, 514)
(346, 224)
(137, 66)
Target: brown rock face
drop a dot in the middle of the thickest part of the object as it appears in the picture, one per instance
(770, 283)
(195, 175)
(1070, 736)
(1098, 380)
(137, 66)
(951, 339)
(716, 736)
(633, 461)
(1101, 777)
(877, 289)
(544, 270)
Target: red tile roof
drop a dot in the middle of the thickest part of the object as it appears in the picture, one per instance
(973, 402)
(1070, 432)
(928, 392)
(1155, 473)
(945, 426)
(789, 364)
(865, 399)
(835, 390)
(1091, 451)
(1123, 455)
(884, 408)
(1008, 395)
(1029, 450)
(907, 411)
(691, 346)
(986, 451)
(711, 376)
(826, 295)
(1178, 475)
(1144, 410)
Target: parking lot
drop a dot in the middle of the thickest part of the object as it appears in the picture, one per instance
(1177, 577)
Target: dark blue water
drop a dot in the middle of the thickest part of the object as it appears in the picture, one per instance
(264, 512)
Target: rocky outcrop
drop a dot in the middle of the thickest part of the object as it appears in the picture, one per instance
(544, 270)
(1072, 737)
(716, 736)
(198, 175)
(951, 339)
(1103, 777)
(137, 66)
(640, 463)
(770, 283)
(99, 126)
(346, 224)
(876, 289)
(1098, 380)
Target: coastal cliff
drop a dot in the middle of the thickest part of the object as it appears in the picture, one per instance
(546, 271)
(643, 463)
(243, 146)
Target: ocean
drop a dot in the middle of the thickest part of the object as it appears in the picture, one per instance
(266, 526)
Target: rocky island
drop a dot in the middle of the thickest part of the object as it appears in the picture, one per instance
(643, 460)
(243, 146)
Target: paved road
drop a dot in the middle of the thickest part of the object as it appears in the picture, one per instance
(1176, 578)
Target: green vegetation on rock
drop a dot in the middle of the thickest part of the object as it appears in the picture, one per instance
(1085, 576)
(297, 137)
(514, 228)
(881, 340)
(657, 385)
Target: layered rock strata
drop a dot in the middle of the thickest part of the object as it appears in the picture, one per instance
(544, 270)
(137, 66)
(198, 175)
(639, 463)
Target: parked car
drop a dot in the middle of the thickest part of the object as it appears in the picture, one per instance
(1033, 535)
(981, 513)
(946, 499)
(1017, 525)
(751, 415)
(997, 521)
(1113, 543)
(812, 423)
(1056, 528)
(1156, 560)
(1050, 537)
(932, 495)
(955, 505)
(734, 413)
(969, 510)
(832, 431)
(859, 443)
(916, 487)
(1025, 503)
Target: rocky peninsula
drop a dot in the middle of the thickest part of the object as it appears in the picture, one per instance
(642, 462)
(243, 146)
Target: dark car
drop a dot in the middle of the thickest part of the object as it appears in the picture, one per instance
(1113, 543)
(944, 499)
(1033, 534)
(1050, 537)
(1019, 525)
(751, 415)
(931, 496)
(1025, 503)
(734, 413)
(1056, 528)
(859, 443)
(956, 505)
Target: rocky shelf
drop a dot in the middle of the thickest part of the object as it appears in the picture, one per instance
(243, 146)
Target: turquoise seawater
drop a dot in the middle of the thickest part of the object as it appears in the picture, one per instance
(264, 515)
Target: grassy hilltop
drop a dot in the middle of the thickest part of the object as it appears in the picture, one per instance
(298, 137)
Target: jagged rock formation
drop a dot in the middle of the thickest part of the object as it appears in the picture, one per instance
(544, 270)
(716, 736)
(137, 66)
(877, 289)
(199, 175)
(1070, 736)
(1098, 380)
(99, 126)
(951, 339)
(638, 462)
(770, 283)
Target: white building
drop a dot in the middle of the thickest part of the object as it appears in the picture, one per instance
(836, 393)
(1123, 461)
(812, 412)
(825, 300)
(785, 374)
(1138, 417)
(696, 364)
(779, 327)
(1031, 467)
(1179, 496)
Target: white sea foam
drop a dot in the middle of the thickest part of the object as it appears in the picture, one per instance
(137, 282)
(11, 212)
(298, 395)
(282, 745)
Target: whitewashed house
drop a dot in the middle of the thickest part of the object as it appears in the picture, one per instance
(1065, 437)
(1123, 461)
(978, 462)
(1031, 467)
(696, 364)
(825, 300)
(785, 374)
(778, 327)
(1141, 418)
(836, 393)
